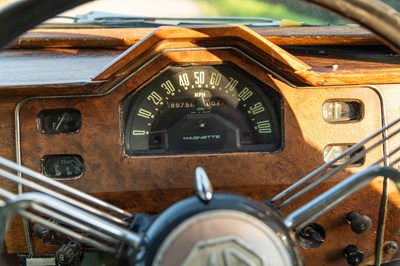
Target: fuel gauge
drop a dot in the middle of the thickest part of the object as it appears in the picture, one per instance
(59, 121)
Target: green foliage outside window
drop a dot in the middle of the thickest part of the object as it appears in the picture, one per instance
(276, 9)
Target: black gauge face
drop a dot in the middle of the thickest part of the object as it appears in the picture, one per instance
(59, 121)
(62, 166)
(203, 109)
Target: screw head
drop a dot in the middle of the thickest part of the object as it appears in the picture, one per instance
(390, 247)
(201, 124)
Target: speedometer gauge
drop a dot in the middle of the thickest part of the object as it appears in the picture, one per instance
(213, 108)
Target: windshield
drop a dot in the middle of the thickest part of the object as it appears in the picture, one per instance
(293, 12)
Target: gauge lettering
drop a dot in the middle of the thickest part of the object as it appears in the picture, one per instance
(155, 98)
(245, 94)
(257, 108)
(206, 137)
(138, 132)
(231, 84)
(199, 77)
(184, 80)
(167, 85)
(264, 127)
(181, 104)
(215, 79)
(212, 103)
(200, 94)
(144, 113)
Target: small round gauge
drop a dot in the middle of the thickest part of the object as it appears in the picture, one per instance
(62, 166)
(188, 109)
(59, 121)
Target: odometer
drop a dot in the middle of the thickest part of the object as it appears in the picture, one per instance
(189, 109)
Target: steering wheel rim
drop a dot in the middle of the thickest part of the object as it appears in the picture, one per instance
(30, 13)
(375, 15)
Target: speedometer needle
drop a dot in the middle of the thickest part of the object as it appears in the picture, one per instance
(59, 123)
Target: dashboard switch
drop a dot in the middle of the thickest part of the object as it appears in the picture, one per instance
(341, 111)
(69, 254)
(41, 231)
(359, 223)
(332, 151)
(311, 236)
(354, 256)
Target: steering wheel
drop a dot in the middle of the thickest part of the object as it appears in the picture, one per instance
(215, 228)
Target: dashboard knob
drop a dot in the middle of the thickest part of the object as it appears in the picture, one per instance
(68, 253)
(359, 223)
(354, 256)
(41, 231)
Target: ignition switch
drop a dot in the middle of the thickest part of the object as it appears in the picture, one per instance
(311, 236)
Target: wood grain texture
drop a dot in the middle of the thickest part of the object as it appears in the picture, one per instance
(239, 37)
(122, 38)
(27, 69)
(152, 183)
(284, 64)
(52, 66)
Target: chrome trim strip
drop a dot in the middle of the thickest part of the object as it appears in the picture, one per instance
(337, 194)
(25, 222)
(380, 234)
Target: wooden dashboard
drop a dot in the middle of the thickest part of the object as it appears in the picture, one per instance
(307, 67)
